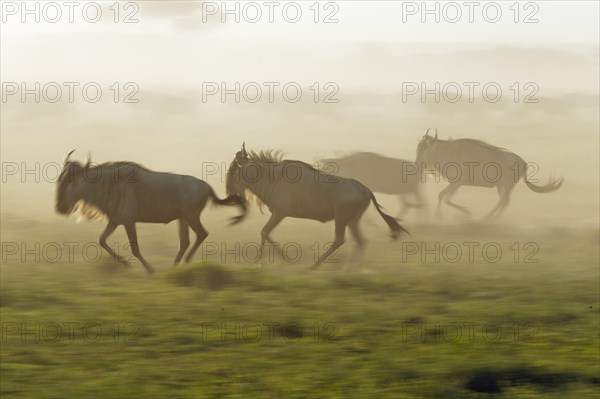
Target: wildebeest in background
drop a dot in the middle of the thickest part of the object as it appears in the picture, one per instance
(296, 189)
(126, 193)
(469, 162)
(380, 174)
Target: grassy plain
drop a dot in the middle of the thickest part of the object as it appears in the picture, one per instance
(404, 326)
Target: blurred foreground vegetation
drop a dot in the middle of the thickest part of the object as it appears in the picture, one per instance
(398, 328)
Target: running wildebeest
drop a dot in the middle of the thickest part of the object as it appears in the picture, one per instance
(295, 189)
(380, 174)
(126, 193)
(469, 162)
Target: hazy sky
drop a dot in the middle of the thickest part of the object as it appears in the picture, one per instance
(181, 44)
(540, 22)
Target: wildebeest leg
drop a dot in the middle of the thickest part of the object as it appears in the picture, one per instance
(135, 247)
(201, 235)
(449, 192)
(504, 194)
(441, 196)
(184, 240)
(105, 234)
(273, 221)
(358, 237)
(340, 231)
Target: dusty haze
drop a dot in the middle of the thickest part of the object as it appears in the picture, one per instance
(169, 53)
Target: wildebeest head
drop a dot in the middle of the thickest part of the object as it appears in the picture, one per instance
(426, 150)
(69, 190)
(235, 184)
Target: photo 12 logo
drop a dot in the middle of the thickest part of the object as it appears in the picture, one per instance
(253, 12)
(469, 252)
(454, 92)
(290, 173)
(50, 172)
(54, 252)
(53, 12)
(71, 92)
(468, 332)
(254, 92)
(256, 252)
(268, 331)
(70, 331)
(453, 12)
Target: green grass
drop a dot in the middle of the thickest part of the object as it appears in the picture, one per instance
(387, 332)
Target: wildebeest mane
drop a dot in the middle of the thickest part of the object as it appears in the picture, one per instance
(266, 156)
(270, 156)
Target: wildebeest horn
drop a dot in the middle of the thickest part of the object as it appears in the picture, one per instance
(88, 160)
(427, 132)
(244, 153)
(68, 156)
(436, 133)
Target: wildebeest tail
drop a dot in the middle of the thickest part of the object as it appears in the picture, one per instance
(554, 184)
(234, 199)
(392, 222)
